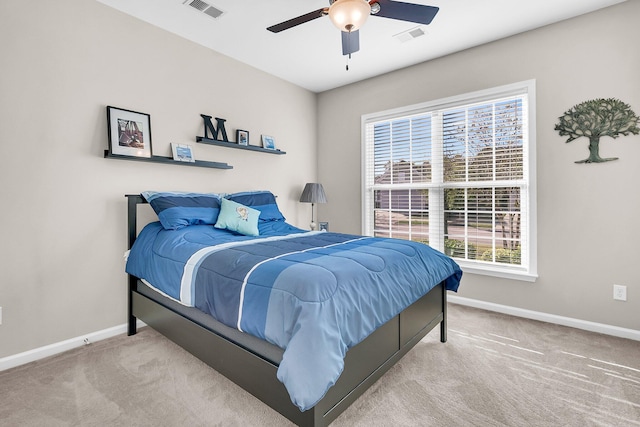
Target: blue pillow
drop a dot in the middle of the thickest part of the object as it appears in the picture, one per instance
(178, 209)
(239, 218)
(264, 201)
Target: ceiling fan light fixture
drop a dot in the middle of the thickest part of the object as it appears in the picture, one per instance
(349, 15)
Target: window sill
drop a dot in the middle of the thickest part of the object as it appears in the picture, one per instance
(504, 273)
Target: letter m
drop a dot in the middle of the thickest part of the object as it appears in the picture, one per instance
(210, 129)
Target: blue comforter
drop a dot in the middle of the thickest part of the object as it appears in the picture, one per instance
(314, 294)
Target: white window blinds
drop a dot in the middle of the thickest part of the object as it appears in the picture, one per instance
(455, 174)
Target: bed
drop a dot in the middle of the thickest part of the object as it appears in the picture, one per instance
(202, 250)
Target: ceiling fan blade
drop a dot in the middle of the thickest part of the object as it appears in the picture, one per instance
(410, 12)
(350, 42)
(297, 21)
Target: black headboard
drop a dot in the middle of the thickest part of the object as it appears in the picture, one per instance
(132, 216)
(132, 224)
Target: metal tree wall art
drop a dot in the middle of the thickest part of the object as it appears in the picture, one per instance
(596, 118)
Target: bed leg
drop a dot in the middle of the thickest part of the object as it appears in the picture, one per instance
(131, 320)
(132, 326)
(443, 324)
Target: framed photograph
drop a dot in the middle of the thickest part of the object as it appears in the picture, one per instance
(323, 226)
(242, 137)
(129, 132)
(182, 153)
(268, 142)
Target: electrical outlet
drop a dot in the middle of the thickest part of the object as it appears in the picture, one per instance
(620, 292)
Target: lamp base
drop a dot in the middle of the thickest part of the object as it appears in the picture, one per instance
(312, 226)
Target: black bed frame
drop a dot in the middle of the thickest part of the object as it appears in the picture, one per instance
(364, 364)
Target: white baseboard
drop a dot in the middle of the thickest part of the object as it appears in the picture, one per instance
(59, 347)
(601, 328)
(62, 346)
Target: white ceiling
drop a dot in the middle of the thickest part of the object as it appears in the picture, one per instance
(310, 55)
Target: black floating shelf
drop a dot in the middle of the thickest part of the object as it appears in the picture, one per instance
(228, 144)
(169, 161)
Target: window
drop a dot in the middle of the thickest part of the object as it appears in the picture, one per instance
(459, 175)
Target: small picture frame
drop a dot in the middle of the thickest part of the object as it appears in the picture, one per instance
(242, 137)
(182, 153)
(323, 226)
(268, 142)
(129, 132)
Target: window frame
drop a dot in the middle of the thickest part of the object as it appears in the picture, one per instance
(528, 88)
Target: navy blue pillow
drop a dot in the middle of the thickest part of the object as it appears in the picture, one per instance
(178, 209)
(264, 201)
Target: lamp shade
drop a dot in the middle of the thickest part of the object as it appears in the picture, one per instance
(313, 193)
(349, 15)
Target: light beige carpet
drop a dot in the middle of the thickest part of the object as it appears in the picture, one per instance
(495, 370)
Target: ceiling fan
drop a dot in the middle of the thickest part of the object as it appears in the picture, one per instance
(349, 15)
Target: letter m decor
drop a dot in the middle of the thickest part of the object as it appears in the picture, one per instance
(210, 129)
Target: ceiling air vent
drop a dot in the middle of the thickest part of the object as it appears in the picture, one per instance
(205, 8)
(411, 34)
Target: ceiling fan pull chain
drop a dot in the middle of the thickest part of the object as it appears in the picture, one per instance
(348, 58)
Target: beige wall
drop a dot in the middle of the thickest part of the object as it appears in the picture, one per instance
(588, 222)
(63, 209)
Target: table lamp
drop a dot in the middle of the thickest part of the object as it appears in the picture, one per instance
(313, 193)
